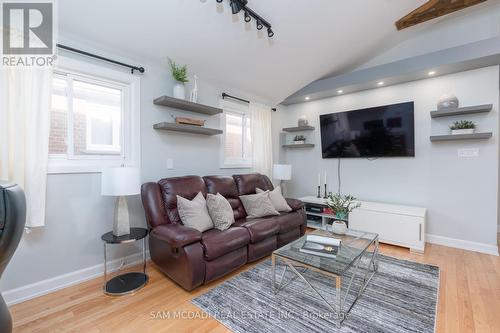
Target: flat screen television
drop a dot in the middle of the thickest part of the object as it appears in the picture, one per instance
(382, 131)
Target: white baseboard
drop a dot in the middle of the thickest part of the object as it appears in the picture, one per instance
(44, 287)
(462, 244)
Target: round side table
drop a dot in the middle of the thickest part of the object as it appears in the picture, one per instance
(127, 283)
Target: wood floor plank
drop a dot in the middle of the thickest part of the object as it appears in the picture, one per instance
(469, 300)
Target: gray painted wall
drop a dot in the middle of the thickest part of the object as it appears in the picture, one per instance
(461, 194)
(77, 215)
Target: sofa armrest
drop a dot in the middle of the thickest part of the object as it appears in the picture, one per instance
(176, 235)
(294, 204)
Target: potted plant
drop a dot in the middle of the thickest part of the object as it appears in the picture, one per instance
(341, 205)
(463, 127)
(179, 73)
(299, 139)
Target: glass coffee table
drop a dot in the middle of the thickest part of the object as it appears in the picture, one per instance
(356, 257)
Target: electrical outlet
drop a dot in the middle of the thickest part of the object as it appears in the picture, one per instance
(170, 163)
(468, 152)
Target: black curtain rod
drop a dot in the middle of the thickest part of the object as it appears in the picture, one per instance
(132, 68)
(224, 95)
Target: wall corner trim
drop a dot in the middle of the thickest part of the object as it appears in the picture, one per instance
(462, 244)
(30, 291)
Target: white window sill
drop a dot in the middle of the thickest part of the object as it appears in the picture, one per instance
(236, 166)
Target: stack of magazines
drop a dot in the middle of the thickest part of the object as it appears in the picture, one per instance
(322, 246)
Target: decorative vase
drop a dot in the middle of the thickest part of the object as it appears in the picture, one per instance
(447, 101)
(339, 227)
(303, 121)
(179, 90)
(463, 131)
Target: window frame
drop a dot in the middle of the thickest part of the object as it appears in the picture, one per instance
(130, 134)
(240, 109)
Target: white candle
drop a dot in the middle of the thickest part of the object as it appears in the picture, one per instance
(325, 177)
(319, 179)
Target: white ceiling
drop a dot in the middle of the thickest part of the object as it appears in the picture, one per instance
(313, 38)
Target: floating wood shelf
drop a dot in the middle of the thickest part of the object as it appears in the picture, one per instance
(298, 129)
(454, 137)
(462, 111)
(304, 145)
(187, 128)
(186, 105)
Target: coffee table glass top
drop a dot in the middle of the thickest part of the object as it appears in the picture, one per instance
(353, 244)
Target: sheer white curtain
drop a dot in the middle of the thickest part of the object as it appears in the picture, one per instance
(24, 134)
(262, 150)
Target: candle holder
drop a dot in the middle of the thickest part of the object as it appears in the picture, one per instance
(319, 192)
(326, 196)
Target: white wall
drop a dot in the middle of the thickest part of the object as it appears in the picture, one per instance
(77, 215)
(461, 194)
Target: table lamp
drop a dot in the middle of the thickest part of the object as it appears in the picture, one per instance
(282, 172)
(121, 182)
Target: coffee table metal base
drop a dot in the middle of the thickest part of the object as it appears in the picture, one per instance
(338, 308)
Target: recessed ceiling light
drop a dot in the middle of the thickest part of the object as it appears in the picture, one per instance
(340, 91)
(308, 98)
(431, 73)
(381, 83)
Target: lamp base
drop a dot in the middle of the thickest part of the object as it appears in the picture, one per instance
(121, 221)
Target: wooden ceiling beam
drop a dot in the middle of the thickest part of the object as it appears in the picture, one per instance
(433, 9)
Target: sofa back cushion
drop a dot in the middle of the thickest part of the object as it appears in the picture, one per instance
(187, 187)
(247, 184)
(226, 186)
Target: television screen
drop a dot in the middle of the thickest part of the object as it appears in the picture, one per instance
(382, 131)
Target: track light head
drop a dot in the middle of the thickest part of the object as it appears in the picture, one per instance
(247, 17)
(270, 32)
(235, 7)
(219, 1)
(259, 25)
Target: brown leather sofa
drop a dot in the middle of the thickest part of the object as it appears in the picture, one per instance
(192, 258)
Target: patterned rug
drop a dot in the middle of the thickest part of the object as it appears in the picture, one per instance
(401, 297)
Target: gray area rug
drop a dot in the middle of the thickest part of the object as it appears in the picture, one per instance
(401, 297)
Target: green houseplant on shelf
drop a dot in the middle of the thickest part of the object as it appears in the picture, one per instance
(341, 205)
(179, 73)
(463, 127)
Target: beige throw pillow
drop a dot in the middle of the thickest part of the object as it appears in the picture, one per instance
(194, 213)
(220, 211)
(258, 205)
(277, 199)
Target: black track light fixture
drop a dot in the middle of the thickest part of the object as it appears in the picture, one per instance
(259, 25)
(239, 5)
(247, 16)
(235, 7)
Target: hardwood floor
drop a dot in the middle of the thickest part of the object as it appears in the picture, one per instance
(469, 300)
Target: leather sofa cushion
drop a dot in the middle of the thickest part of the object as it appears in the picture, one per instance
(260, 228)
(226, 186)
(248, 183)
(289, 221)
(187, 187)
(176, 235)
(294, 204)
(217, 243)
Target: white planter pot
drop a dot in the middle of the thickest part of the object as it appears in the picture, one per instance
(339, 227)
(299, 142)
(179, 91)
(463, 131)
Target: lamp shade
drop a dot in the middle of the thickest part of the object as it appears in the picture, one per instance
(282, 171)
(121, 181)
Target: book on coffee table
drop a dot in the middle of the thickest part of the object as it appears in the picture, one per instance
(321, 246)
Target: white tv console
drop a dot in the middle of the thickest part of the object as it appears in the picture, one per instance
(398, 225)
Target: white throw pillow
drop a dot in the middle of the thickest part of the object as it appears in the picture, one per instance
(277, 199)
(220, 211)
(258, 205)
(194, 213)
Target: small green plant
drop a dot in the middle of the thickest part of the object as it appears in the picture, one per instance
(299, 138)
(342, 204)
(462, 124)
(179, 73)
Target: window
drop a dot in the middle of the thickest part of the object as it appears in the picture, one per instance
(237, 138)
(94, 119)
